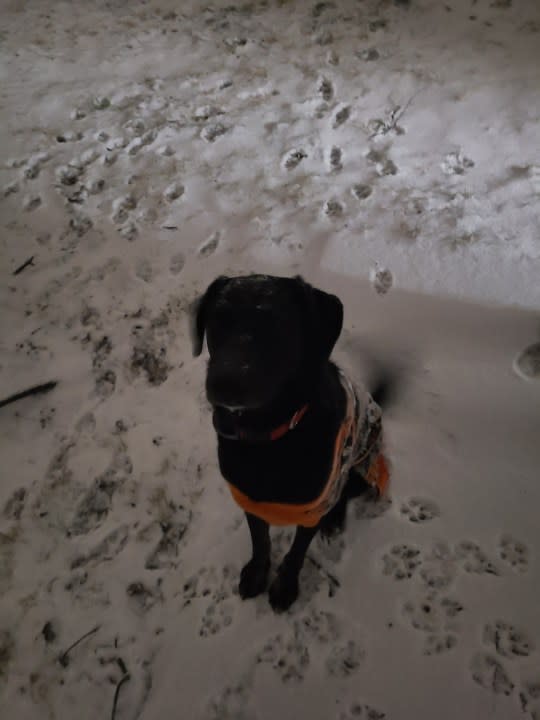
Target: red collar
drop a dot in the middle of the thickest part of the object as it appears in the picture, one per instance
(261, 437)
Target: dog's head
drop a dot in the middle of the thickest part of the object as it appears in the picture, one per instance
(263, 334)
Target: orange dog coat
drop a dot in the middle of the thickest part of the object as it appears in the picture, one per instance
(358, 445)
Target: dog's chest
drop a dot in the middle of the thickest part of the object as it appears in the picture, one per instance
(292, 470)
(307, 461)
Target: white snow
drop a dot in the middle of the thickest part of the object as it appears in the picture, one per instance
(389, 152)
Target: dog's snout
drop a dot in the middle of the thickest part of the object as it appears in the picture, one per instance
(230, 384)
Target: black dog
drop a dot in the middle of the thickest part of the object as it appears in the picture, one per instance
(295, 442)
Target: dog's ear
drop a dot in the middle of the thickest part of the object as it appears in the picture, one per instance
(198, 313)
(324, 317)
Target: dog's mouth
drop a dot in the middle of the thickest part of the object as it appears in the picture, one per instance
(240, 415)
(237, 396)
(228, 420)
(237, 410)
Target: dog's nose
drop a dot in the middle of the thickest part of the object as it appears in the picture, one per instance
(228, 387)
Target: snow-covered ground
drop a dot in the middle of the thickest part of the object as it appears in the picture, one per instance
(147, 147)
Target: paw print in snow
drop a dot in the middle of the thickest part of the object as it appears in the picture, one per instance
(419, 510)
(401, 562)
(318, 625)
(333, 208)
(438, 568)
(473, 559)
(490, 674)
(359, 711)
(514, 553)
(290, 659)
(382, 280)
(455, 163)
(218, 616)
(344, 660)
(433, 615)
(507, 640)
(231, 702)
(438, 644)
(529, 698)
(294, 158)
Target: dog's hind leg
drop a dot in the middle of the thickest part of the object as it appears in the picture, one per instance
(254, 575)
(284, 590)
(356, 485)
(333, 523)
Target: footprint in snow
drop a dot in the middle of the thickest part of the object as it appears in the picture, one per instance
(141, 597)
(166, 552)
(335, 159)
(507, 640)
(289, 658)
(360, 711)
(472, 559)
(527, 363)
(383, 164)
(341, 116)
(514, 553)
(344, 660)
(326, 89)
(294, 158)
(433, 614)
(382, 280)
(361, 191)
(106, 384)
(212, 132)
(144, 270)
(177, 263)
(529, 698)
(491, 674)
(401, 562)
(438, 568)
(31, 202)
(111, 545)
(456, 163)
(210, 245)
(333, 208)
(173, 191)
(231, 703)
(439, 644)
(419, 510)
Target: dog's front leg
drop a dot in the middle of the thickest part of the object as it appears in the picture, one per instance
(284, 590)
(254, 575)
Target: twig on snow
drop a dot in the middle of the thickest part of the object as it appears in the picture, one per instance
(332, 579)
(25, 264)
(63, 659)
(36, 390)
(122, 680)
(391, 124)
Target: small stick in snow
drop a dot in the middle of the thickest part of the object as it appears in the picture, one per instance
(122, 665)
(25, 264)
(63, 659)
(332, 579)
(36, 390)
(124, 679)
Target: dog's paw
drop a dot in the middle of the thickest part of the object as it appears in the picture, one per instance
(283, 591)
(253, 579)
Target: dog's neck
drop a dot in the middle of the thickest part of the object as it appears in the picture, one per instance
(297, 399)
